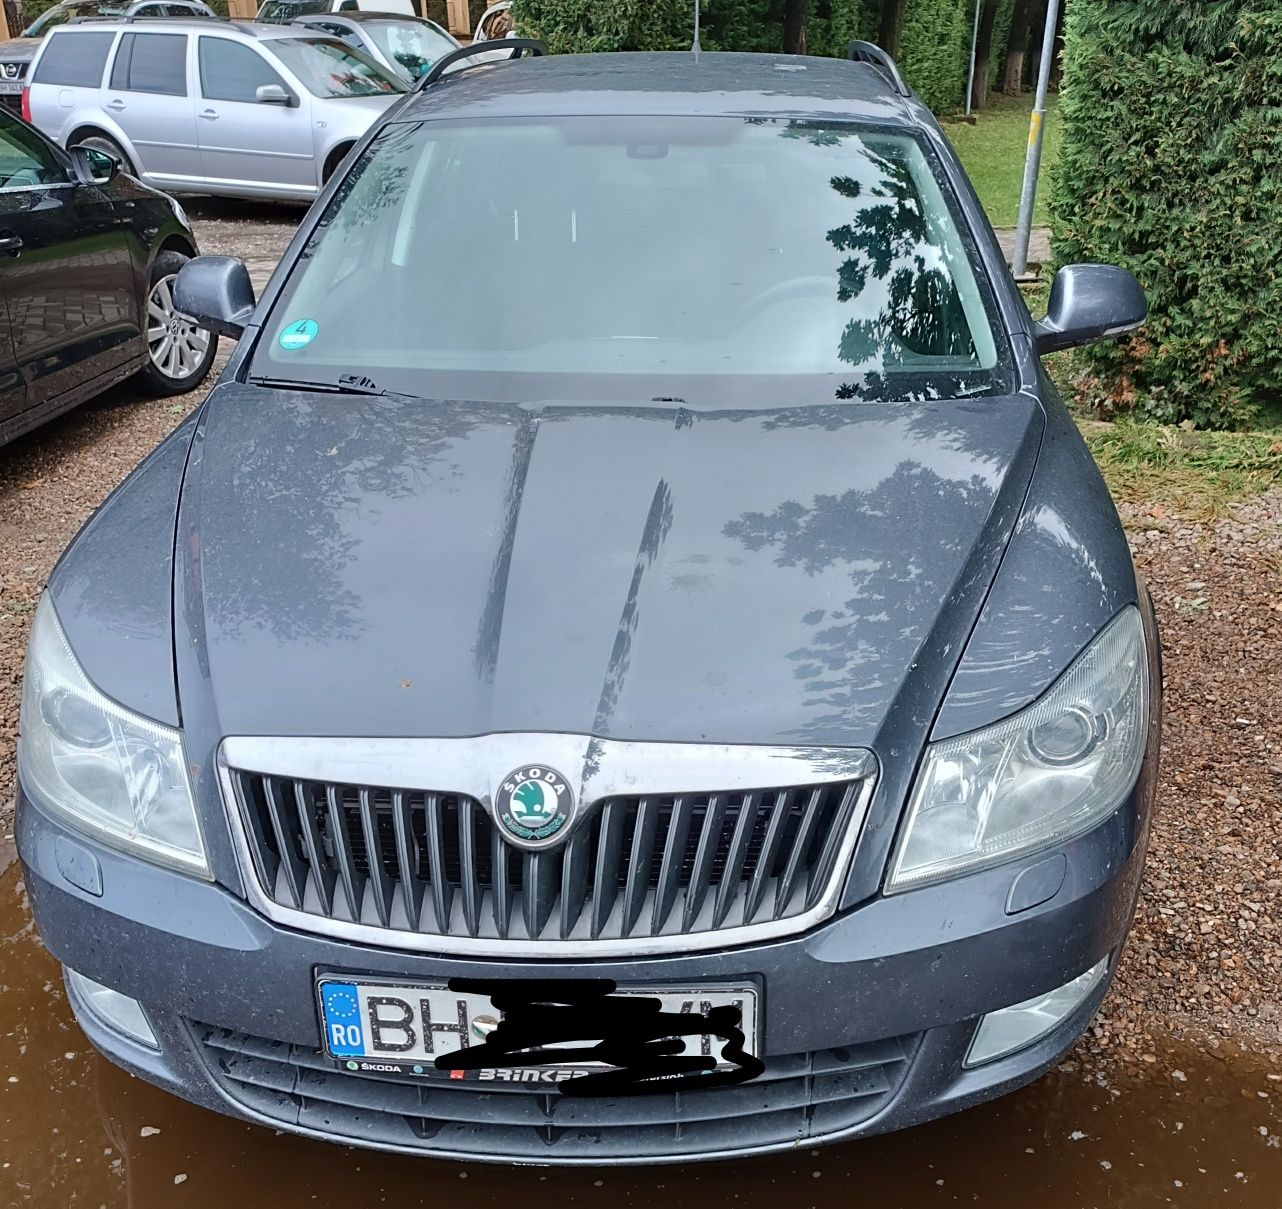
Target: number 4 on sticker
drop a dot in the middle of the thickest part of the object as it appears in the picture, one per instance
(298, 334)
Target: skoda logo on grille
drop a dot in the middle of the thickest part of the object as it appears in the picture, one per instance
(533, 804)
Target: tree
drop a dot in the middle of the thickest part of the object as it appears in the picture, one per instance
(1041, 12)
(892, 24)
(984, 53)
(1021, 24)
(1193, 210)
(794, 26)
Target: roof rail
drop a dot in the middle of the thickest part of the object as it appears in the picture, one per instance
(135, 18)
(870, 52)
(517, 46)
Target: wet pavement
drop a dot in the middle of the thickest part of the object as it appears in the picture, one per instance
(1193, 1130)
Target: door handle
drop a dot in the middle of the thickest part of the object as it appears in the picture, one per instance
(210, 115)
(115, 106)
(10, 243)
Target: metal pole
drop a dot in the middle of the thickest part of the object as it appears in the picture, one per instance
(1033, 160)
(974, 46)
(697, 5)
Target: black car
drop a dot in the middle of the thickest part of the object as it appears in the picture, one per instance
(88, 257)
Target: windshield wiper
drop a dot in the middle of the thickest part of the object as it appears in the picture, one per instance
(347, 384)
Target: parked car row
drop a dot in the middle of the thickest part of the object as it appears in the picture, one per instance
(234, 109)
(90, 247)
(405, 43)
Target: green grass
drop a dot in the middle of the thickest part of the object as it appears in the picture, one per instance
(1195, 474)
(992, 152)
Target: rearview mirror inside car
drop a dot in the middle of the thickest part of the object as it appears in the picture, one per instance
(217, 293)
(1090, 302)
(272, 94)
(94, 167)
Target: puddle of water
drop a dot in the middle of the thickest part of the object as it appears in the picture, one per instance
(75, 1131)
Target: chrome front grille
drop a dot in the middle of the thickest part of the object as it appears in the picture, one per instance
(674, 865)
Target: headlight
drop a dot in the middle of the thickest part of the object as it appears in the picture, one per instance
(98, 766)
(1039, 778)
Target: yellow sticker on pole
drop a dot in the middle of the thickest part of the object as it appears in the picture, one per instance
(1034, 127)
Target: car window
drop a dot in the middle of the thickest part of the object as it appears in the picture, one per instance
(341, 32)
(60, 14)
(708, 259)
(232, 71)
(182, 10)
(280, 11)
(151, 63)
(150, 10)
(329, 68)
(25, 158)
(74, 57)
(414, 45)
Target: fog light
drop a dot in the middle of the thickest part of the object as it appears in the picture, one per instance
(118, 1012)
(1018, 1026)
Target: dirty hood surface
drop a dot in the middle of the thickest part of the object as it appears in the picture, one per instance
(394, 567)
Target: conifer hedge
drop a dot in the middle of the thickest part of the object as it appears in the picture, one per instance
(1172, 166)
(933, 56)
(934, 51)
(582, 26)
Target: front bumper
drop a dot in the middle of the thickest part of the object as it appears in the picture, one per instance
(867, 1019)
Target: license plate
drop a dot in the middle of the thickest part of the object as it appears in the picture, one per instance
(10, 86)
(385, 1028)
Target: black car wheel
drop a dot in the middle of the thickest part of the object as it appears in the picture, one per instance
(179, 353)
(100, 142)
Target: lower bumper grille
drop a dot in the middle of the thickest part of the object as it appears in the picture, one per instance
(800, 1096)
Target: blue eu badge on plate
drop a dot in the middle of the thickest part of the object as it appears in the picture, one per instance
(342, 1007)
(298, 334)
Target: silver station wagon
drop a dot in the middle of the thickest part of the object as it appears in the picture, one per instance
(242, 110)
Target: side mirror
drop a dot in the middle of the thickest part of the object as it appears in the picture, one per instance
(1090, 302)
(217, 293)
(94, 167)
(272, 94)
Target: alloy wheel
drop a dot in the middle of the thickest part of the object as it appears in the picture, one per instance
(176, 345)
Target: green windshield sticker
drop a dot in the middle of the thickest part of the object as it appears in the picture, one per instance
(298, 334)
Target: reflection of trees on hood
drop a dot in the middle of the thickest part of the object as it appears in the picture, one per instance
(297, 488)
(897, 582)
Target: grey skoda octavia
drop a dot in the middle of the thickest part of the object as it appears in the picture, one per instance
(631, 662)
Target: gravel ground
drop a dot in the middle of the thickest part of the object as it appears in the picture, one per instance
(1206, 952)
(1205, 958)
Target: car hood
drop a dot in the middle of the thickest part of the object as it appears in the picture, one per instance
(392, 567)
(19, 50)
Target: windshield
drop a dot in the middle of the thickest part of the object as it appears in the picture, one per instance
(414, 45)
(623, 257)
(281, 12)
(62, 13)
(328, 68)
